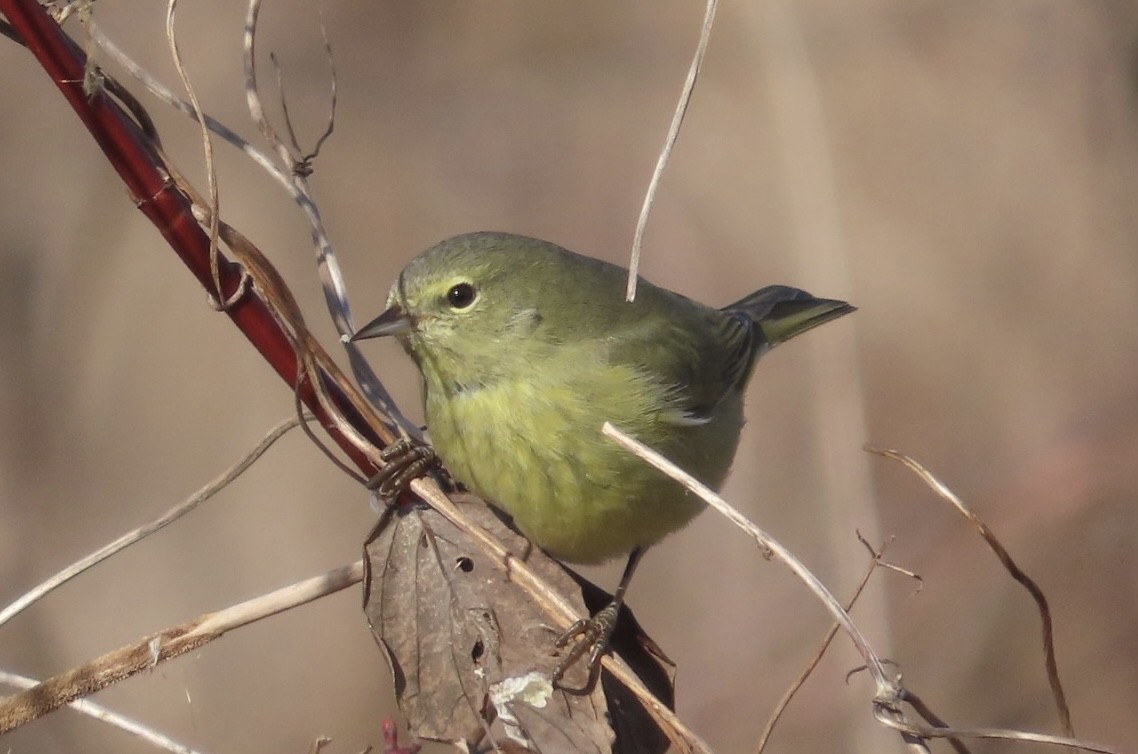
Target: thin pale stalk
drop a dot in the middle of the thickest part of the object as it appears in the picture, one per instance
(149, 651)
(108, 716)
(669, 143)
(140, 533)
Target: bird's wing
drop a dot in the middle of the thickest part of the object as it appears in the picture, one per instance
(696, 357)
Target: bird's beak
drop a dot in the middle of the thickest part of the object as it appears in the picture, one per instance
(394, 321)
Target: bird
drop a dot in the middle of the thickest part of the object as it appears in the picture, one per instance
(525, 349)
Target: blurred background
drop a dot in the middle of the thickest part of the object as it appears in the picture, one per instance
(965, 172)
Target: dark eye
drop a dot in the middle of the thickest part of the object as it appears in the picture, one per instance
(461, 295)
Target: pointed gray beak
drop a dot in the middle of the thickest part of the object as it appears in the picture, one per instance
(394, 321)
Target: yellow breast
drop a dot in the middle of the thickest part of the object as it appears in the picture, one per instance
(536, 451)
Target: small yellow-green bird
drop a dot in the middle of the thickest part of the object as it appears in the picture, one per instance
(526, 349)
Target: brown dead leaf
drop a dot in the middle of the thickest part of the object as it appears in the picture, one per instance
(472, 654)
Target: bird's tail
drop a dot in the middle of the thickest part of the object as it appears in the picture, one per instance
(781, 312)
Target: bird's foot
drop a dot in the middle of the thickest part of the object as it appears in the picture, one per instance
(588, 636)
(404, 460)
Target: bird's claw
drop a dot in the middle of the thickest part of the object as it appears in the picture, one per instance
(404, 460)
(590, 636)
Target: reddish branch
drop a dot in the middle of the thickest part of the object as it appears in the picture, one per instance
(155, 195)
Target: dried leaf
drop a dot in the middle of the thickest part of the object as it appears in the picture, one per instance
(471, 653)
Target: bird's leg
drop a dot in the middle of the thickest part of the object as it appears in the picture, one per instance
(593, 635)
(404, 460)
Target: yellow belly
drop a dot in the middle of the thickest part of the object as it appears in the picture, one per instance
(536, 451)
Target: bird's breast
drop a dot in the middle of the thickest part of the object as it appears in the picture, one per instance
(534, 448)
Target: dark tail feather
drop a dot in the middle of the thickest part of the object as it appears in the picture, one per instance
(781, 312)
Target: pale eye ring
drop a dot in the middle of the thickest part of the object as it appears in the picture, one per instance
(461, 295)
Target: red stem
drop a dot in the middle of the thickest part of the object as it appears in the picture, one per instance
(128, 151)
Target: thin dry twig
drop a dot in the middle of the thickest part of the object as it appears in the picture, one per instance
(331, 276)
(1006, 560)
(151, 650)
(135, 535)
(312, 359)
(1003, 734)
(167, 96)
(669, 143)
(207, 151)
(873, 662)
(886, 701)
(108, 716)
(929, 716)
(875, 561)
(890, 695)
(303, 164)
(294, 183)
(164, 204)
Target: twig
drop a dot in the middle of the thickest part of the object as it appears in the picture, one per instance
(207, 151)
(886, 700)
(110, 717)
(332, 281)
(313, 364)
(669, 143)
(926, 713)
(331, 276)
(164, 94)
(1006, 560)
(167, 208)
(784, 702)
(169, 517)
(1001, 734)
(873, 662)
(151, 650)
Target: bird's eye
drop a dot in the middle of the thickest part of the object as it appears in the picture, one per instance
(461, 295)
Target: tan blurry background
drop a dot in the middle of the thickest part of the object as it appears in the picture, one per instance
(965, 172)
